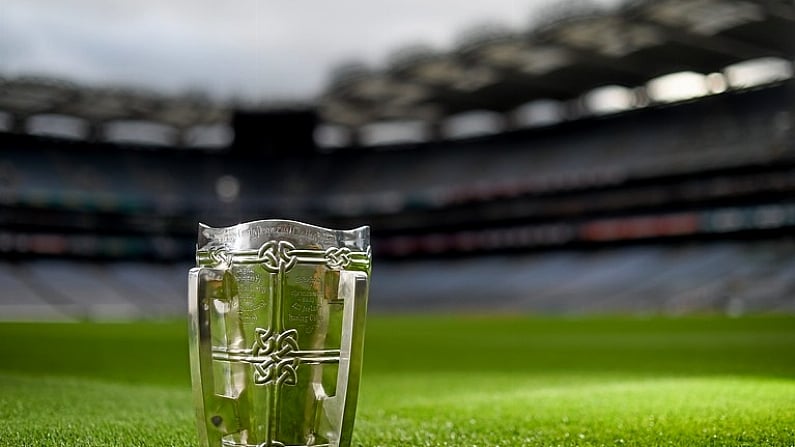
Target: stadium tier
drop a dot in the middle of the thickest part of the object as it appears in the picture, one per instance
(706, 185)
(731, 277)
(716, 165)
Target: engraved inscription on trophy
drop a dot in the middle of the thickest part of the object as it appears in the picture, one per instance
(303, 309)
(252, 288)
(303, 313)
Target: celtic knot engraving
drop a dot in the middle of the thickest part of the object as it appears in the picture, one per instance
(220, 258)
(278, 365)
(338, 257)
(279, 256)
(276, 256)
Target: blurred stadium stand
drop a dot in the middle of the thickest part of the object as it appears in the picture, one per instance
(659, 204)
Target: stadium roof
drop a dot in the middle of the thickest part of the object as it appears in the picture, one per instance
(572, 49)
(33, 96)
(568, 53)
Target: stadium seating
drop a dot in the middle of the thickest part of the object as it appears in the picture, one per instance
(725, 277)
(697, 173)
(722, 277)
(731, 130)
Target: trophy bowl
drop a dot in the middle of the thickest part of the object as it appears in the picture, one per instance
(277, 314)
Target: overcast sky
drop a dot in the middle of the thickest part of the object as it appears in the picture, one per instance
(254, 49)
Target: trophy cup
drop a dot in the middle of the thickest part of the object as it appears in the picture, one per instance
(277, 312)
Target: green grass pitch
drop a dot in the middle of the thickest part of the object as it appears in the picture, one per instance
(435, 381)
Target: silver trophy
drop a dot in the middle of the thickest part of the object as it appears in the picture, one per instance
(277, 312)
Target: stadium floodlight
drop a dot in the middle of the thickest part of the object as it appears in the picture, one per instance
(61, 126)
(473, 123)
(538, 113)
(394, 132)
(677, 87)
(209, 136)
(140, 132)
(609, 99)
(330, 136)
(716, 83)
(758, 72)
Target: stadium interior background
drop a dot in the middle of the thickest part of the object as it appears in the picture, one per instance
(633, 159)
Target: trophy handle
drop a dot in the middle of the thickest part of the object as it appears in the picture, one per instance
(353, 289)
(217, 415)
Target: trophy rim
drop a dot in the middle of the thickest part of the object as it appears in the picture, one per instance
(252, 234)
(204, 226)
